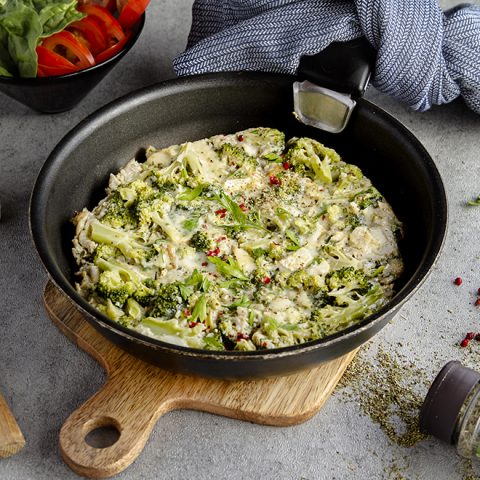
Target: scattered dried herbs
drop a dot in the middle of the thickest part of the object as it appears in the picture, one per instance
(387, 390)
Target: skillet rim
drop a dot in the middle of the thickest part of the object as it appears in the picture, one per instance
(43, 184)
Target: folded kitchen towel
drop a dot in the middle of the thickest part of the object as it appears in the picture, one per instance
(424, 56)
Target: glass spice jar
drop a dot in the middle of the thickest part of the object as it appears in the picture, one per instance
(451, 410)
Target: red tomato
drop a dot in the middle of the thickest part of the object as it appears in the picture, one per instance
(111, 28)
(91, 30)
(51, 63)
(113, 50)
(109, 4)
(130, 12)
(75, 51)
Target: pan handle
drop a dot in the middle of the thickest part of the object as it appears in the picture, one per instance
(343, 67)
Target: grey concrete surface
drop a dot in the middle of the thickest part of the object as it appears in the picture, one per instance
(44, 377)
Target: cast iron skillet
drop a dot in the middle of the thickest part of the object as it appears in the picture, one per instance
(76, 173)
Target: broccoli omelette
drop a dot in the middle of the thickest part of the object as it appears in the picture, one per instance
(238, 242)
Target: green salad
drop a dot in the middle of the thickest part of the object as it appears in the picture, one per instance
(23, 24)
(238, 242)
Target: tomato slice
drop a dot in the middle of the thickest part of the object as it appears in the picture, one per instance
(111, 28)
(113, 50)
(74, 50)
(108, 4)
(51, 63)
(90, 29)
(130, 12)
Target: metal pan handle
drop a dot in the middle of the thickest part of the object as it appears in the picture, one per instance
(333, 80)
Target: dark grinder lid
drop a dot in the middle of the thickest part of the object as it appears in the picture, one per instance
(445, 398)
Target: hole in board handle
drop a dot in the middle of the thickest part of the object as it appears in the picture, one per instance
(102, 433)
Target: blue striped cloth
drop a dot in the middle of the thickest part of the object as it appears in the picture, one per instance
(425, 56)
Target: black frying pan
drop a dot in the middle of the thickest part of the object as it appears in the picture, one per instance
(76, 173)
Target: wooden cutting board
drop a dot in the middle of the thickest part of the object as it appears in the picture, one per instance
(11, 438)
(136, 394)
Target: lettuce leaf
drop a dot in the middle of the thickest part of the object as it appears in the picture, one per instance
(23, 23)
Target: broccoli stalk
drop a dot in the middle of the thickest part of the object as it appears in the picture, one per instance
(164, 222)
(135, 310)
(171, 331)
(126, 242)
(154, 211)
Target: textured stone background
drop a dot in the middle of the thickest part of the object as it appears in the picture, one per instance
(44, 377)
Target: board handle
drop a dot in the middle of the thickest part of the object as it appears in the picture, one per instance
(128, 405)
(11, 438)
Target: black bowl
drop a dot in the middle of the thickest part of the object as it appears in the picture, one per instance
(62, 93)
(76, 174)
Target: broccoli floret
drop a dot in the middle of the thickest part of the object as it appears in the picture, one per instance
(258, 252)
(164, 185)
(303, 280)
(369, 198)
(111, 286)
(144, 294)
(117, 214)
(118, 281)
(175, 173)
(125, 241)
(333, 318)
(137, 191)
(167, 302)
(232, 154)
(237, 157)
(200, 241)
(104, 251)
(349, 179)
(155, 211)
(312, 158)
(347, 279)
(337, 258)
(268, 140)
(275, 251)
